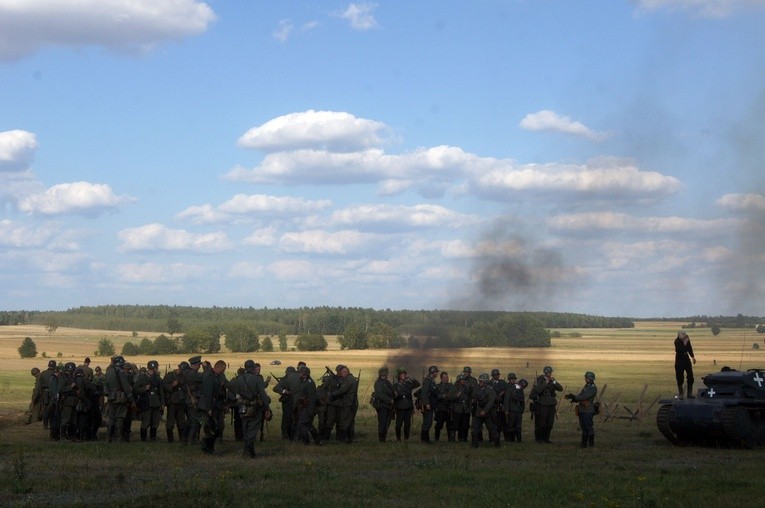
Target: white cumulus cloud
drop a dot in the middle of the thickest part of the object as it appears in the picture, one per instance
(17, 147)
(29, 25)
(156, 273)
(157, 237)
(323, 130)
(745, 202)
(419, 216)
(324, 242)
(253, 205)
(547, 120)
(615, 221)
(81, 198)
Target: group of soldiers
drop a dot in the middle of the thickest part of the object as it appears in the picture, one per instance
(470, 404)
(73, 401)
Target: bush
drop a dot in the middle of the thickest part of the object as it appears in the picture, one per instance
(755, 346)
(105, 347)
(163, 345)
(311, 342)
(28, 348)
(130, 349)
(267, 345)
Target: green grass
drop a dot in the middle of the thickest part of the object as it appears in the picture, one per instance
(632, 465)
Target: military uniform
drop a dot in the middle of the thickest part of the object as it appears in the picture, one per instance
(284, 387)
(54, 405)
(150, 397)
(459, 397)
(306, 407)
(174, 386)
(34, 413)
(119, 396)
(344, 398)
(429, 397)
(484, 411)
(404, 403)
(42, 385)
(193, 381)
(382, 401)
(585, 401)
(212, 406)
(323, 405)
(68, 398)
(253, 404)
(500, 387)
(514, 405)
(683, 363)
(443, 410)
(545, 402)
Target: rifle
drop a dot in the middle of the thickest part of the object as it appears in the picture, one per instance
(275, 377)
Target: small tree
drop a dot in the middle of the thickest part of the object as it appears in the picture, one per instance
(105, 347)
(760, 329)
(282, 342)
(173, 326)
(130, 349)
(715, 329)
(51, 325)
(163, 345)
(311, 342)
(28, 348)
(267, 345)
(146, 347)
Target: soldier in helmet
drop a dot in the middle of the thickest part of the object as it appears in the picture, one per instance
(150, 396)
(212, 404)
(485, 408)
(684, 358)
(471, 385)
(306, 407)
(442, 409)
(514, 405)
(459, 398)
(174, 387)
(193, 381)
(119, 396)
(253, 405)
(68, 398)
(500, 386)
(404, 402)
(586, 408)
(34, 413)
(42, 384)
(283, 388)
(545, 402)
(345, 397)
(382, 401)
(429, 398)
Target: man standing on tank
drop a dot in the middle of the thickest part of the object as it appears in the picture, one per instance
(683, 363)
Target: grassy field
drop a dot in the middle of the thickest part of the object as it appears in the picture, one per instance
(631, 465)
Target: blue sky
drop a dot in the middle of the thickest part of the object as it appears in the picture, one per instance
(603, 157)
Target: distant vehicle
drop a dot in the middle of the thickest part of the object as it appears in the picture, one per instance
(275, 362)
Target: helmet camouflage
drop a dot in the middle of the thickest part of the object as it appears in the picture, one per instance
(483, 377)
(467, 369)
(432, 369)
(547, 369)
(511, 375)
(460, 377)
(523, 383)
(589, 375)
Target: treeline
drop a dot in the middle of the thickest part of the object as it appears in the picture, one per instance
(702, 321)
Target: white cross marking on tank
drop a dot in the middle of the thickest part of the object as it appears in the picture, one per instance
(759, 379)
(711, 392)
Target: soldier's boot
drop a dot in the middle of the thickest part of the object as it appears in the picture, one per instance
(406, 435)
(474, 440)
(170, 436)
(143, 434)
(546, 437)
(249, 450)
(437, 435)
(110, 433)
(316, 437)
(425, 437)
(381, 436)
(181, 435)
(496, 439)
(509, 436)
(584, 440)
(591, 440)
(690, 391)
(208, 445)
(518, 435)
(153, 434)
(537, 436)
(450, 435)
(679, 390)
(398, 434)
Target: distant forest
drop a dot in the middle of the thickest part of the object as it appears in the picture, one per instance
(417, 328)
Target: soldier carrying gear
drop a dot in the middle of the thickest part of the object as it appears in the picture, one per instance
(585, 409)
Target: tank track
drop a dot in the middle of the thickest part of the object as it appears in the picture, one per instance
(662, 422)
(739, 427)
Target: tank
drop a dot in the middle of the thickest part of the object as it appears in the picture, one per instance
(730, 411)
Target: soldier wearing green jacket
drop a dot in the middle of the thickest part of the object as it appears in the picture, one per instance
(212, 404)
(513, 406)
(253, 404)
(404, 402)
(150, 397)
(345, 398)
(284, 387)
(306, 407)
(119, 396)
(545, 402)
(442, 410)
(586, 408)
(429, 397)
(193, 381)
(485, 411)
(42, 384)
(174, 386)
(382, 401)
(459, 397)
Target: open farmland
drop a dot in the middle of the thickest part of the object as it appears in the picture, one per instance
(632, 464)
